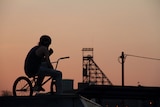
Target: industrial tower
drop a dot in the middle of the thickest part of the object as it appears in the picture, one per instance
(92, 74)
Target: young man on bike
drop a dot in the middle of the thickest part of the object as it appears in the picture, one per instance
(37, 63)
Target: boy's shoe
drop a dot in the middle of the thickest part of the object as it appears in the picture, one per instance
(37, 88)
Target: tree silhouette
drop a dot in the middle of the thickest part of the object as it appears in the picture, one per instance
(6, 93)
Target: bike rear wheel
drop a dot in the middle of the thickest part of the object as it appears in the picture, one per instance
(22, 87)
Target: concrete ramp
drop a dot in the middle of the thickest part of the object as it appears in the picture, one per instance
(89, 103)
(47, 101)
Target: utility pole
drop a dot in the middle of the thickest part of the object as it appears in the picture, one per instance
(122, 57)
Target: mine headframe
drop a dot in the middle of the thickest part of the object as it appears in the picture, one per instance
(92, 73)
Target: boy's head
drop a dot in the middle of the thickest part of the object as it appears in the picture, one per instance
(45, 40)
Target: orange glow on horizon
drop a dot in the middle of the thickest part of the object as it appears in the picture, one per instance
(107, 26)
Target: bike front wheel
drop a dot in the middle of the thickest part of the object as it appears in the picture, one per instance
(22, 87)
(52, 87)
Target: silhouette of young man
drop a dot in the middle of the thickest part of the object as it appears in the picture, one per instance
(37, 63)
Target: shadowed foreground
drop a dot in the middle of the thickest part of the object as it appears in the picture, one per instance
(106, 96)
(47, 101)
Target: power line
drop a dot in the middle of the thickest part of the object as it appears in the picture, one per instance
(123, 58)
(142, 57)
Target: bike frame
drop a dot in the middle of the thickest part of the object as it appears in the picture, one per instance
(55, 68)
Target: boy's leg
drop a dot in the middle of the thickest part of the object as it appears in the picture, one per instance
(56, 75)
(39, 83)
(58, 83)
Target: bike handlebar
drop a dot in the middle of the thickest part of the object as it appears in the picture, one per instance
(60, 59)
(64, 57)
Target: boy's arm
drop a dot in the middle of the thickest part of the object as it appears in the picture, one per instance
(50, 51)
(47, 59)
(43, 51)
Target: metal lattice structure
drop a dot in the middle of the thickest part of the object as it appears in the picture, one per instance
(92, 73)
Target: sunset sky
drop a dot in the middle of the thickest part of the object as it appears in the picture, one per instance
(108, 26)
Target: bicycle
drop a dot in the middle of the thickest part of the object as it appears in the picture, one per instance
(23, 86)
